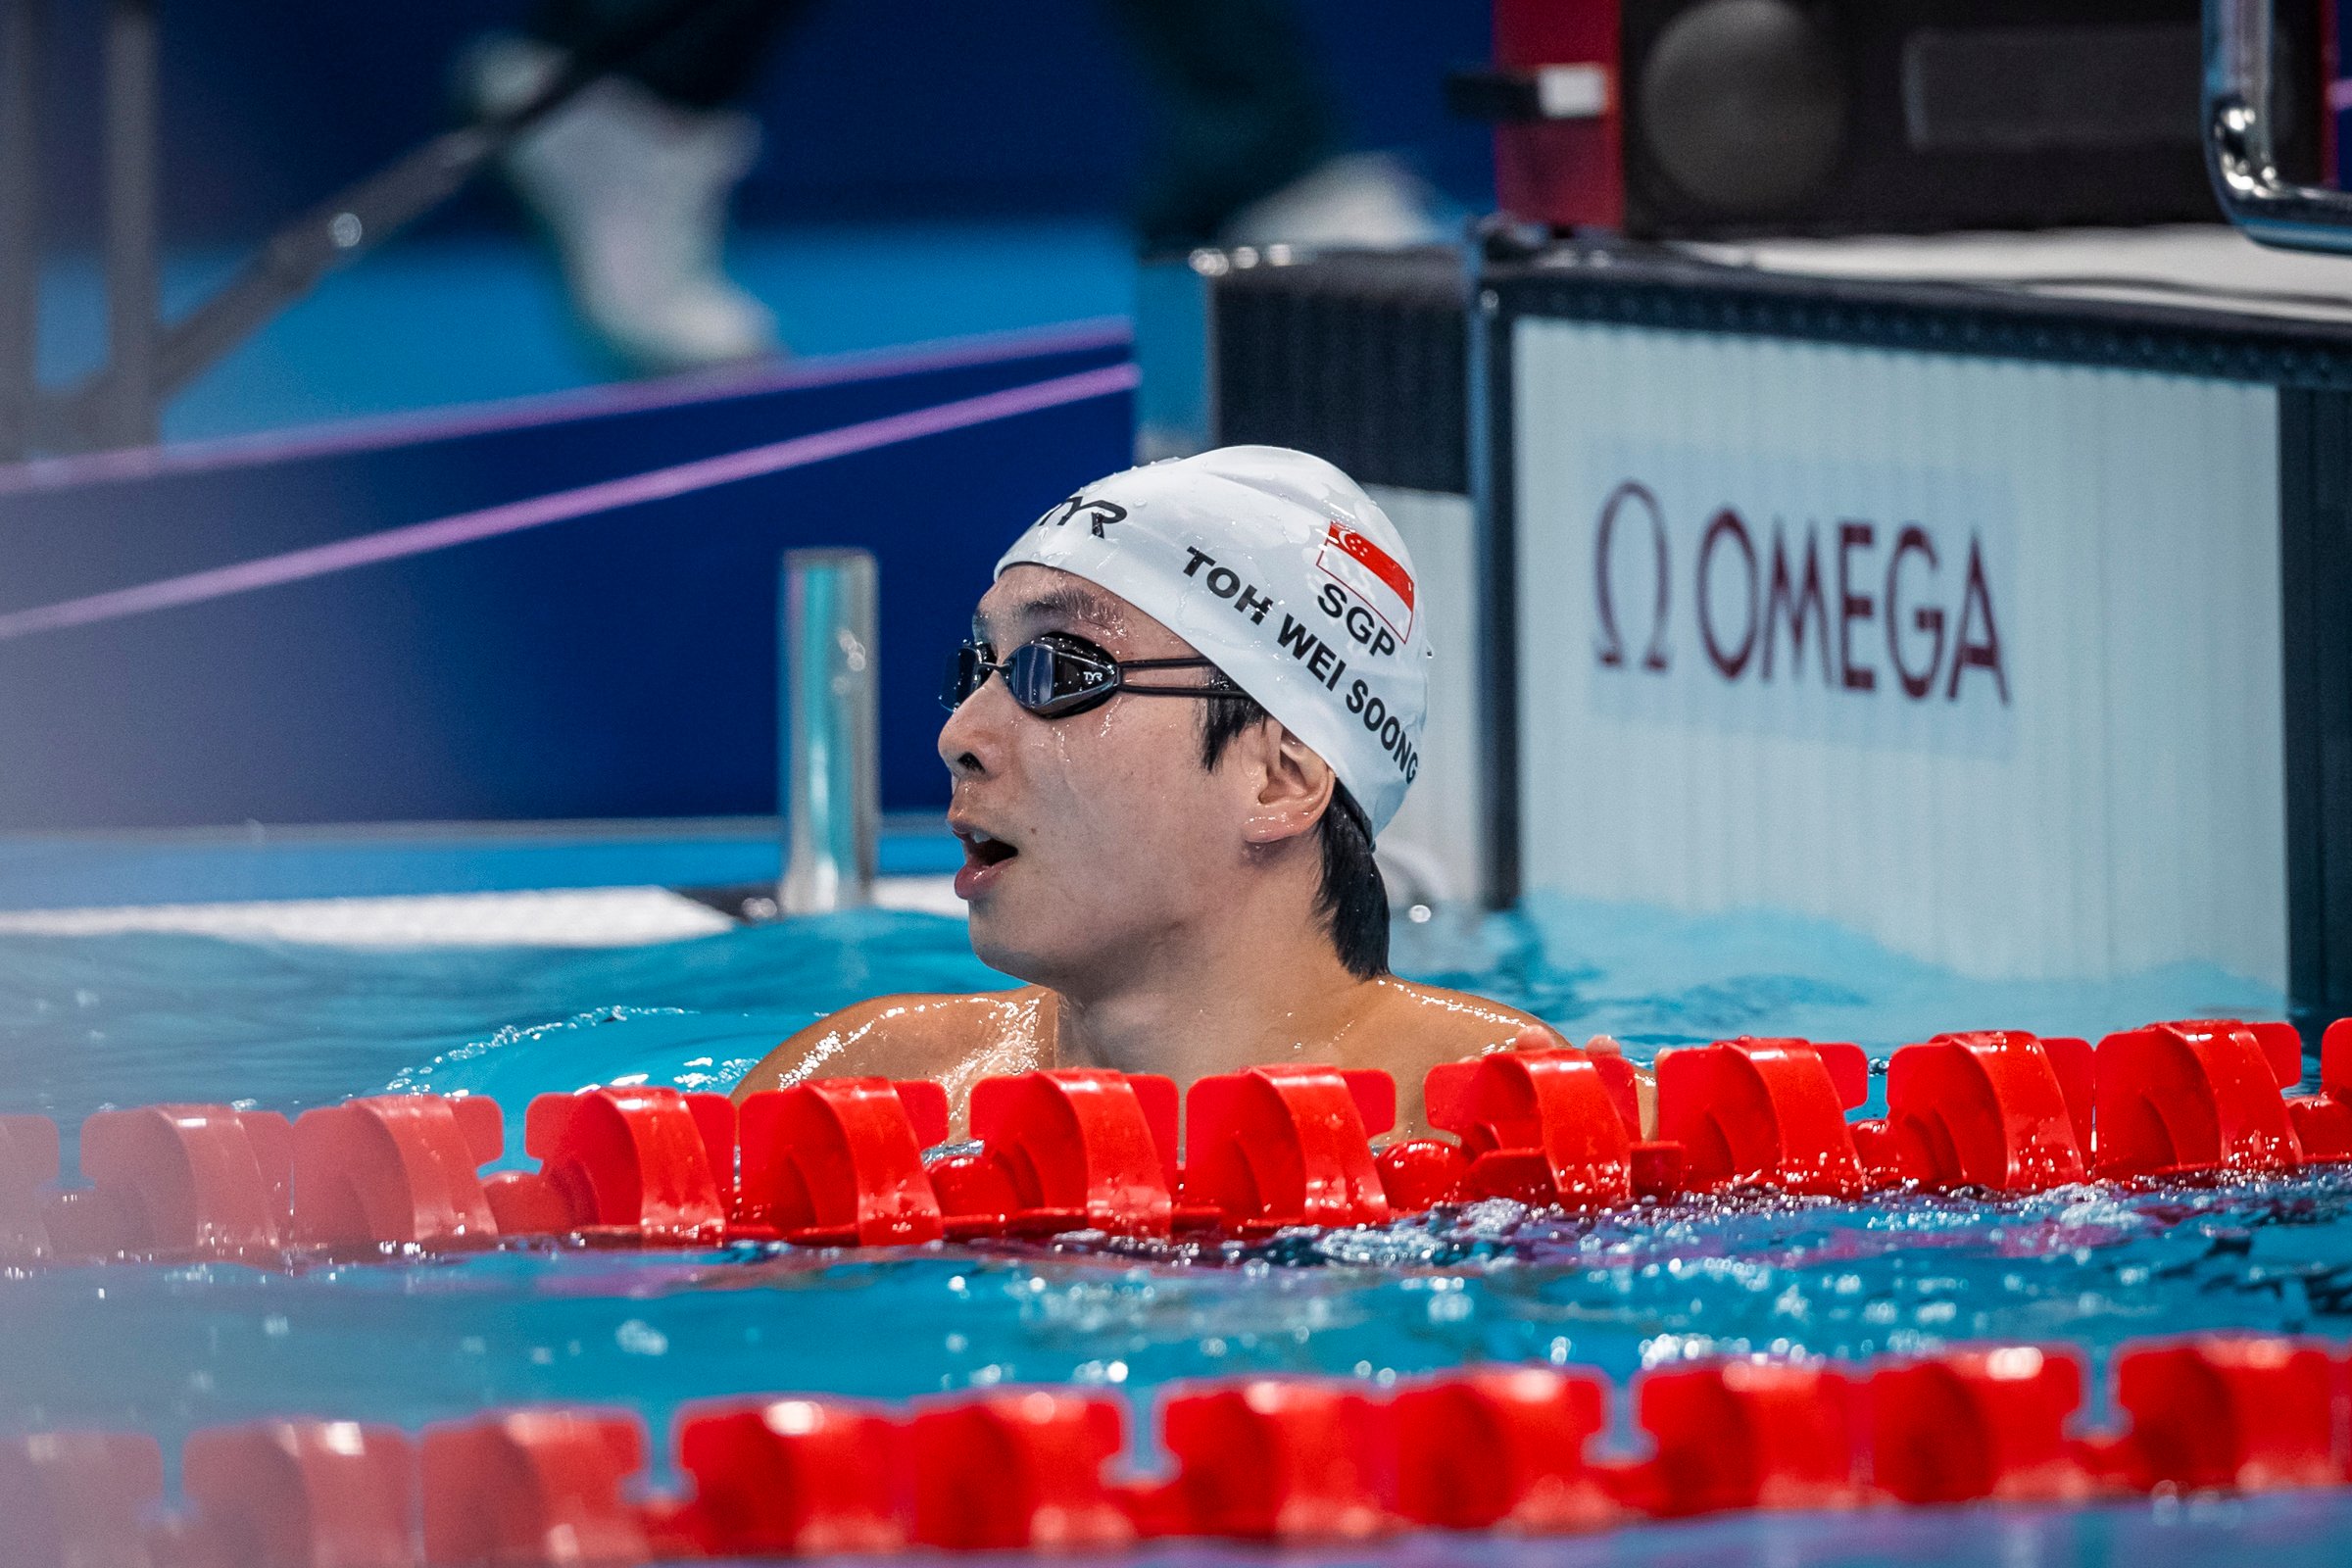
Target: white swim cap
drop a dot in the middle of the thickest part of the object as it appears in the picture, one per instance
(1278, 568)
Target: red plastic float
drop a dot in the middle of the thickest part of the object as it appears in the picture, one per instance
(301, 1494)
(650, 1164)
(28, 1167)
(1539, 1126)
(807, 1477)
(1745, 1435)
(395, 1170)
(2322, 1121)
(2182, 1098)
(1502, 1448)
(1979, 1424)
(2250, 1413)
(79, 1500)
(1990, 1109)
(1289, 1459)
(839, 1161)
(1064, 1149)
(1286, 1145)
(177, 1181)
(1764, 1112)
(533, 1487)
(1018, 1468)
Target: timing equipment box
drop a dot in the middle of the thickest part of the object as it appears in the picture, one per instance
(1698, 118)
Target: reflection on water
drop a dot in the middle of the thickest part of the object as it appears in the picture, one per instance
(93, 1021)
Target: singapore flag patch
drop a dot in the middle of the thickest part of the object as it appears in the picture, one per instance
(1372, 574)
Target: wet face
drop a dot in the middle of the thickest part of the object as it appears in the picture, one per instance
(1088, 840)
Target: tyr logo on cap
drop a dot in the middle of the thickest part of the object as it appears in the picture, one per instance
(1371, 573)
(1095, 513)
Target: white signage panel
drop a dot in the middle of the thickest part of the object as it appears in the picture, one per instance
(1976, 656)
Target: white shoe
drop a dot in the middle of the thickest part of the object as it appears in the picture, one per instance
(633, 191)
(1364, 201)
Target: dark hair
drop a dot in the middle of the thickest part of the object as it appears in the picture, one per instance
(1352, 900)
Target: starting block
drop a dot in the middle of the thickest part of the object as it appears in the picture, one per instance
(1286, 1145)
(798, 1477)
(839, 1161)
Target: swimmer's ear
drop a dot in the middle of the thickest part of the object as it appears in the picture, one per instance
(1294, 788)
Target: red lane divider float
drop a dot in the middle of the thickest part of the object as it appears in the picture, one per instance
(840, 1162)
(1270, 1459)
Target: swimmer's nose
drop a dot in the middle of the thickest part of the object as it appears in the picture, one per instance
(971, 739)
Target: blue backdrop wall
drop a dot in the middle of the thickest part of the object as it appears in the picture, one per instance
(915, 108)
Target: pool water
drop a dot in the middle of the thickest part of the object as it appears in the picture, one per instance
(93, 1021)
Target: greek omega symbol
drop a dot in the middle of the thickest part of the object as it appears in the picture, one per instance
(1604, 604)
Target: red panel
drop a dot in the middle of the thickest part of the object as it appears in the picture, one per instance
(28, 1165)
(1984, 1109)
(184, 1181)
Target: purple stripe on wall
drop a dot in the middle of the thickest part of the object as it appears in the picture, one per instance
(564, 506)
(524, 413)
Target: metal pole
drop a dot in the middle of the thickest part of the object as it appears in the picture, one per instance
(132, 287)
(832, 806)
(21, 29)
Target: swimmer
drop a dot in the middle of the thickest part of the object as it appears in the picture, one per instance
(1191, 698)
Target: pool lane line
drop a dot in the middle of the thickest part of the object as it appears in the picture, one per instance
(566, 505)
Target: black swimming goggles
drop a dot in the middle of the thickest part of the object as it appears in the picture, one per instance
(1056, 675)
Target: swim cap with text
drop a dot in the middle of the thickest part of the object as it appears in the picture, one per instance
(1278, 568)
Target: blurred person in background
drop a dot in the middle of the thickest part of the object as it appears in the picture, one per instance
(631, 177)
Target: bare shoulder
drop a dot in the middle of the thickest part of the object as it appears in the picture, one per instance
(954, 1039)
(1411, 1028)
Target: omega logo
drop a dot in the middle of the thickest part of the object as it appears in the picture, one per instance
(1894, 600)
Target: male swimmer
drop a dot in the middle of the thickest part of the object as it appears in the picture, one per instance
(1190, 700)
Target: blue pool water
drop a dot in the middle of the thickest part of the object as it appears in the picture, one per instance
(88, 1022)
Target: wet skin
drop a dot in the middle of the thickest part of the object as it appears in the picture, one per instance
(1163, 913)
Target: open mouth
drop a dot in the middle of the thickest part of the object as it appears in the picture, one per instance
(981, 851)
